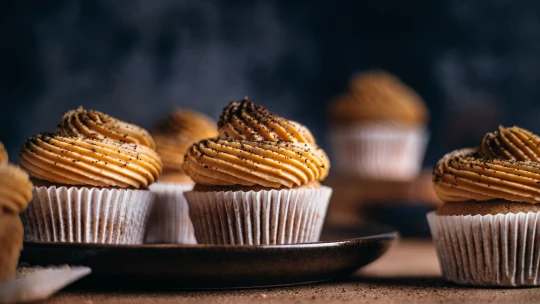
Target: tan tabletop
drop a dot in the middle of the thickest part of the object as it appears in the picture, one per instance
(409, 272)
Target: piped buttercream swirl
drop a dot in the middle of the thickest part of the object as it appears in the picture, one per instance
(469, 174)
(177, 132)
(512, 143)
(256, 148)
(86, 161)
(15, 188)
(3, 154)
(97, 125)
(376, 96)
(245, 120)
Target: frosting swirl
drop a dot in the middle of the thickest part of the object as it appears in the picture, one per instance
(15, 188)
(245, 120)
(467, 174)
(177, 132)
(256, 148)
(221, 162)
(85, 161)
(97, 125)
(378, 96)
(512, 143)
(3, 154)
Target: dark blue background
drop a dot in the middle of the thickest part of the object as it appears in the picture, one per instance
(476, 63)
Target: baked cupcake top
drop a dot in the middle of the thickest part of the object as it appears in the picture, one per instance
(505, 166)
(97, 125)
(376, 96)
(15, 188)
(256, 148)
(177, 132)
(89, 162)
(3, 154)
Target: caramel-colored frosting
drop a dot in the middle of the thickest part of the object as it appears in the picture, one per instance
(376, 96)
(15, 188)
(177, 132)
(245, 120)
(3, 154)
(256, 148)
(512, 143)
(97, 125)
(505, 167)
(85, 161)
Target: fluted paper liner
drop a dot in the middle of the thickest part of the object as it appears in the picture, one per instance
(265, 217)
(488, 250)
(169, 221)
(379, 151)
(87, 215)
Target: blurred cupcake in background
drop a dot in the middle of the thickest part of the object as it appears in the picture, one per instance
(379, 128)
(90, 180)
(169, 220)
(15, 193)
(258, 182)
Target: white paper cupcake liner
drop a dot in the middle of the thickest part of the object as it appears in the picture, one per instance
(87, 215)
(258, 218)
(377, 151)
(169, 221)
(488, 250)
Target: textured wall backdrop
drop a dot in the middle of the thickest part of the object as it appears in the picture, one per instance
(476, 63)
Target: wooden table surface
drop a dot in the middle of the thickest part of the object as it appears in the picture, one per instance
(409, 272)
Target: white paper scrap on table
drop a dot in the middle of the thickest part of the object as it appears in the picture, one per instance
(39, 283)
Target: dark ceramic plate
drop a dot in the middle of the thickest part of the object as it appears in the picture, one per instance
(216, 266)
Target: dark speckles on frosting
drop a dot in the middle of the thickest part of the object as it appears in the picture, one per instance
(504, 167)
(256, 147)
(98, 125)
(86, 161)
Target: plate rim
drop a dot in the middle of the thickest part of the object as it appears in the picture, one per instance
(390, 235)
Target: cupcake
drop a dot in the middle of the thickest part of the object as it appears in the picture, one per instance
(379, 128)
(90, 181)
(258, 182)
(15, 193)
(486, 231)
(169, 219)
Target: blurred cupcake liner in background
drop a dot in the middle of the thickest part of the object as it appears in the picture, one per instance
(169, 218)
(379, 128)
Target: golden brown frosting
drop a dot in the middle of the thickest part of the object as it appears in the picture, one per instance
(256, 148)
(15, 188)
(378, 96)
(85, 161)
(3, 154)
(98, 125)
(512, 143)
(467, 174)
(177, 132)
(221, 162)
(245, 120)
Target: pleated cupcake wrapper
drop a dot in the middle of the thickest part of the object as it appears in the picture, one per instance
(258, 218)
(488, 250)
(87, 215)
(380, 151)
(169, 221)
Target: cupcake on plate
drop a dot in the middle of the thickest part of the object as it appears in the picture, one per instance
(169, 219)
(379, 128)
(258, 182)
(486, 231)
(90, 181)
(15, 193)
